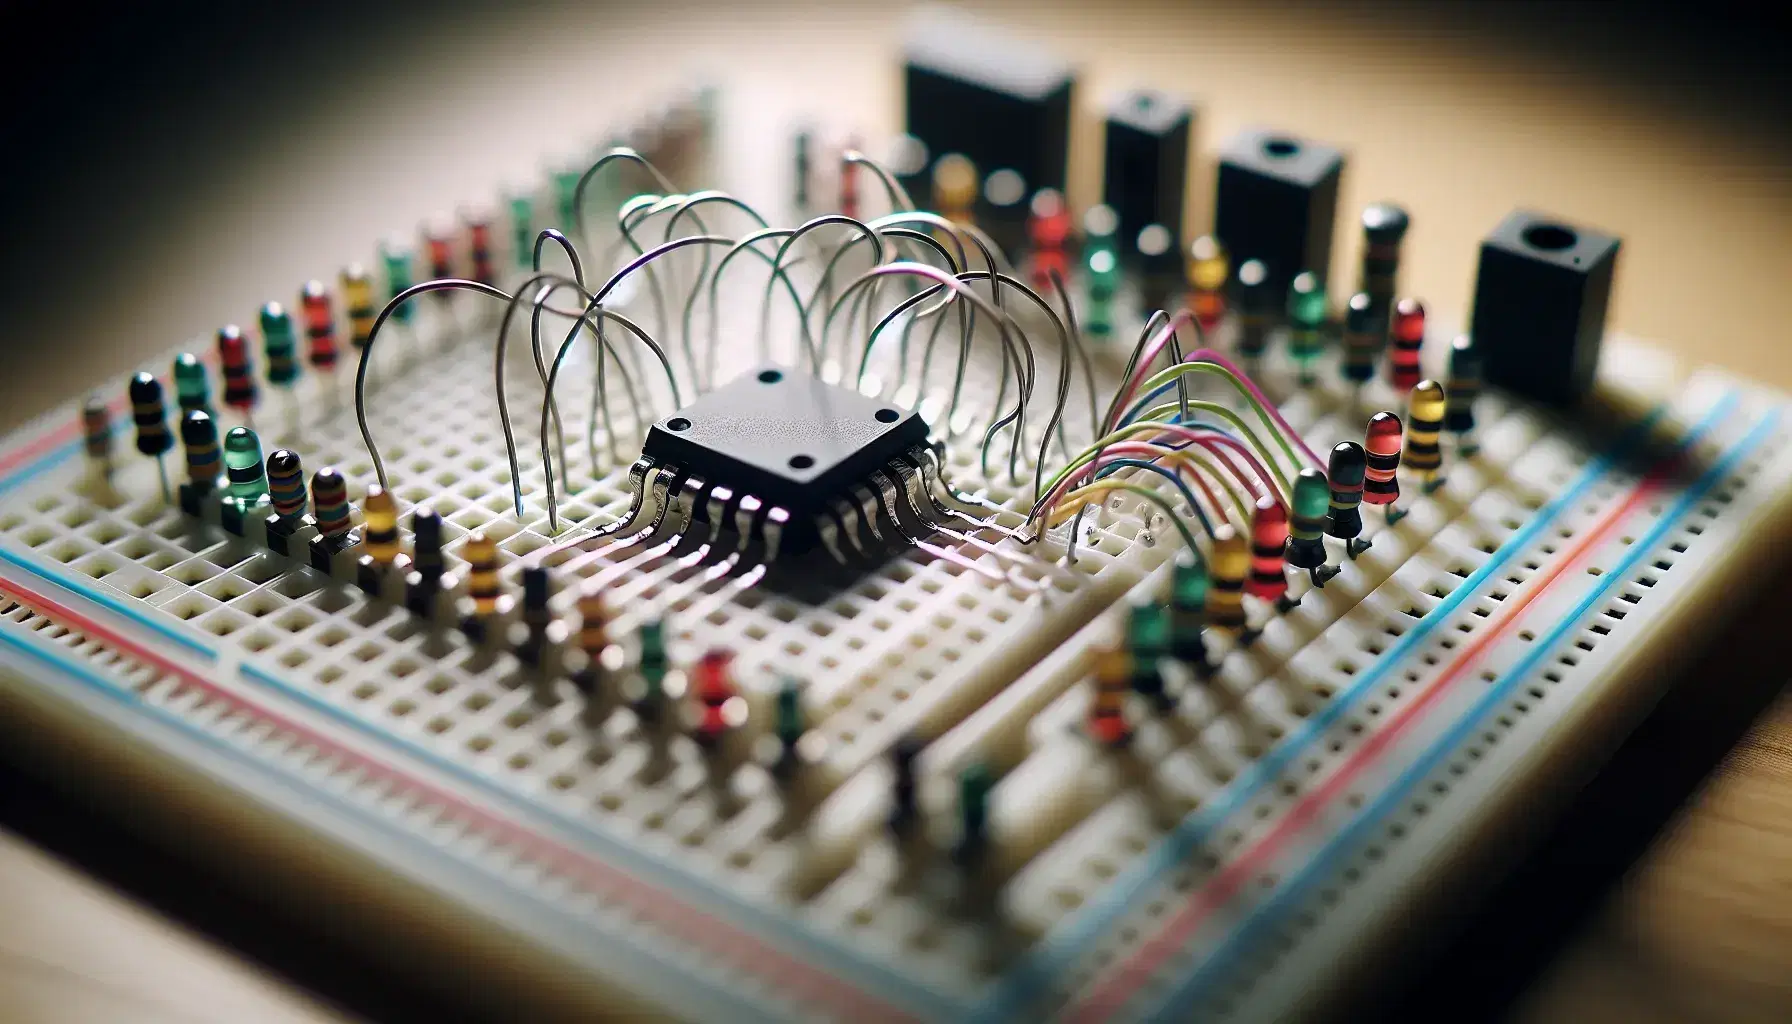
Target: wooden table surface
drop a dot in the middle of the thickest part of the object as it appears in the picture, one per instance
(270, 182)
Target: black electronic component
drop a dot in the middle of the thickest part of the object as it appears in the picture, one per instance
(970, 89)
(1145, 163)
(804, 451)
(1276, 201)
(1540, 296)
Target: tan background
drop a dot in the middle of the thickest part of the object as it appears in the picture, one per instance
(261, 192)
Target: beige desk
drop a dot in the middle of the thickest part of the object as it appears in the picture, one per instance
(1458, 133)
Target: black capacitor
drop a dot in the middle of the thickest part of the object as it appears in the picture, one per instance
(1145, 162)
(1257, 309)
(1384, 228)
(1540, 298)
(1159, 264)
(1276, 200)
(973, 90)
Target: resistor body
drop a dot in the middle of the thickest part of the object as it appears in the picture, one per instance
(1381, 446)
(1424, 421)
(191, 387)
(239, 374)
(1256, 309)
(593, 639)
(1048, 230)
(286, 483)
(1464, 384)
(1346, 472)
(96, 432)
(1269, 550)
(279, 344)
(1363, 338)
(149, 411)
(205, 460)
(379, 534)
(479, 242)
(441, 254)
(1408, 338)
(320, 326)
(1306, 324)
(246, 483)
(357, 299)
(1306, 526)
(1113, 672)
(483, 586)
(398, 278)
(1188, 610)
(1230, 565)
(1384, 227)
(329, 504)
(1208, 270)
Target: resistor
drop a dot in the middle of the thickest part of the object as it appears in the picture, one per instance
(535, 615)
(800, 146)
(440, 244)
(191, 387)
(320, 326)
(1269, 553)
(239, 374)
(1230, 564)
(280, 345)
(329, 504)
(1459, 399)
(522, 231)
(1107, 706)
(1048, 228)
(594, 642)
(398, 277)
(954, 188)
(974, 784)
(1306, 525)
(849, 182)
(246, 483)
(1384, 226)
(1381, 443)
(205, 460)
(379, 537)
(1363, 339)
(150, 413)
(357, 299)
(1306, 324)
(286, 484)
(1347, 470)
(1101, 266)
(1148, 641)
(1408, 336)
(479, 243)
(1188, 610)
(789, 723)
(1208, 270)
(719, 706)
(96, 433)
(1256, 309)
(905, 812)
(1424, 420)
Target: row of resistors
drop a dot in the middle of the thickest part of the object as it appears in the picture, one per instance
(228, 483)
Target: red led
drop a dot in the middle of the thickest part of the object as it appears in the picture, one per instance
(239, 376)
(320, 325)
(1408, 333)
(719, 706)
(1381, 442)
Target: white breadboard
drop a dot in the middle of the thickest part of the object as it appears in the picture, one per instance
(1248, 849)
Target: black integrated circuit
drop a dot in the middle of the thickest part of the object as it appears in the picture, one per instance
(780, 455)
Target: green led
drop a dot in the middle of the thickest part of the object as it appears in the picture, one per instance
(1306, 322)
(191, 388)
(974, 784)
(789, 720)
(1148, 630)
(522, 230)
(398, 278)
(566, 190)
(1188, 583)
(654, 662)
(247, 482)
(1312, 496)
(280, 344)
